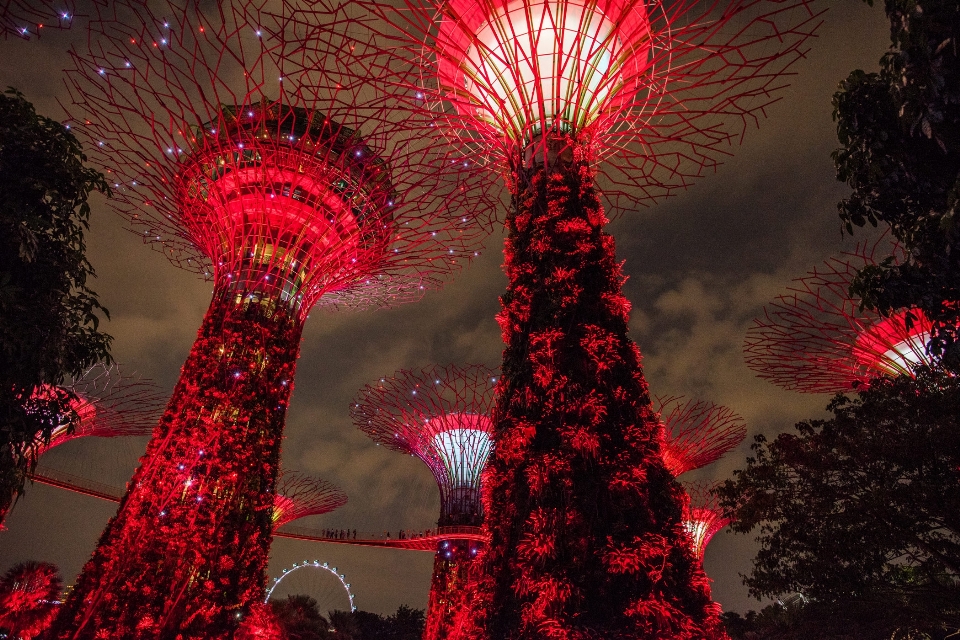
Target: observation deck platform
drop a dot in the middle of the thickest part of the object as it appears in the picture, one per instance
(420, 541)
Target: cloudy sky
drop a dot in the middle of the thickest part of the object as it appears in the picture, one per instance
(701, 266)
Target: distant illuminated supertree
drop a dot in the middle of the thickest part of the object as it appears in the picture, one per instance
(564, 98)
(704, 518)
(27, 18)
(221, 159)
(299, 495)
(442, 416)
(816, 339)
(106, 403)
(697, 433)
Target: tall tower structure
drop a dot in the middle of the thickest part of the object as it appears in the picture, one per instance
(223, 163)
(696, 433)
(441, 415)
(816, 339)
(299, 495)
(567, 99)
(104, 402)
(703, 518)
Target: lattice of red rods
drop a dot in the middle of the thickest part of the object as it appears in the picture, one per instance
(704, 518)
(28, 18)
(275, 179)
(205, 135)
(816, 339)
(299, 495)
(440, 414)
(110, 403)
(697, 433)
(658, 92)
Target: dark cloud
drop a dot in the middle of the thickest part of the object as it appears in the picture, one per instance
(701, 266)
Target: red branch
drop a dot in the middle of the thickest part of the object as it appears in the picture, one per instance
(704, 518)
(299, 495)
(697, 433)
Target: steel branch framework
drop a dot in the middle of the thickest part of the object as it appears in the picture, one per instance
(697, 433)
(288, 190)
(442, 416)
(299, 495)
(816, 339)
(28, 18)
(656, 93)
(109, 403)
(703, 518)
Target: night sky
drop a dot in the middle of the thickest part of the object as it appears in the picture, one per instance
(701, 266)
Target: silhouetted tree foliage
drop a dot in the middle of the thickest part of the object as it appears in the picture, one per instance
(899, 131)
(860, 513)
(48, 315)
(301, 620)
(29, 592)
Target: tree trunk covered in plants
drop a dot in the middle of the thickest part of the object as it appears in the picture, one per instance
(187, 550)
(587, 535)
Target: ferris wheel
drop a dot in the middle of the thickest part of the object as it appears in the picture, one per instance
(316, 579)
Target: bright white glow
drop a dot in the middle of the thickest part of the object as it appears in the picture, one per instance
(554, 53)
(698, 530)
(463, 452)
(904, 356)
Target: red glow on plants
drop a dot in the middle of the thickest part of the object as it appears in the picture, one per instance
(442, 416)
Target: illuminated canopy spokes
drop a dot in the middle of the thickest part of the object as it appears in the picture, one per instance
(697, 433)
(817, 339)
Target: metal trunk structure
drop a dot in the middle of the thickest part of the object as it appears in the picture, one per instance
(230, 166)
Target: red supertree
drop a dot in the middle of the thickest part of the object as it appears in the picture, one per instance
(222, 160)
(563, 98)
(703, 518)
(696, 433)
(817, 339)
(299, 495)
(442, 416)
(104, 402)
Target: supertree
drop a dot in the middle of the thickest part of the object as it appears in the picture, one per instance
(563, 98)
(28, 18)
(703, 518)
(817, 339)
(220, 159)
(696, 433)
(441, 415)
(299, 495)
(104, 402)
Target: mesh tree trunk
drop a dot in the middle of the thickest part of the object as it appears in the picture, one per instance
(576, 484)
(159, 568)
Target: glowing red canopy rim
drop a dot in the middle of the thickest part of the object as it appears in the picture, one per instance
(816, 339)
(260, 180)
(697, 433)
(299, 495)
(109, 403)
(441, 415)
(704, 517)
(657, 91)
